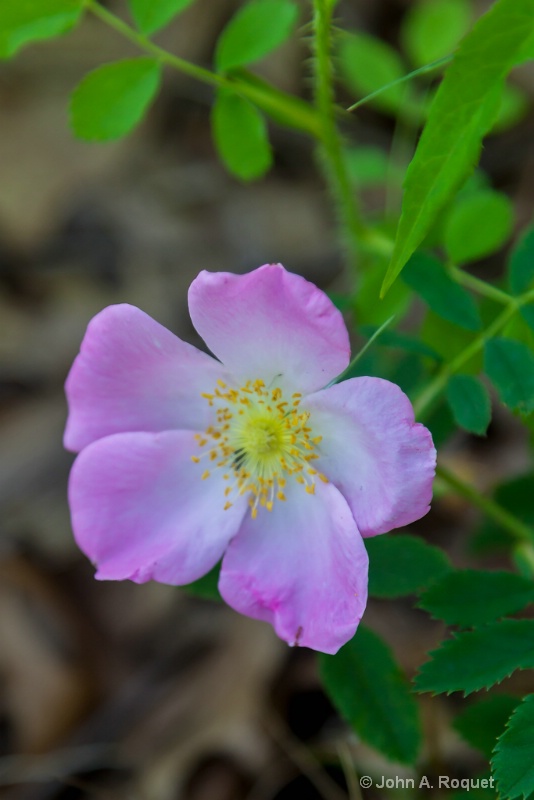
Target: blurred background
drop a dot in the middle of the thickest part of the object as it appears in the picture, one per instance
(116, 690)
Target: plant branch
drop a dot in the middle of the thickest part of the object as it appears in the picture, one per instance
(479, 286)
(144, 43)
(291, 110)
(428, 396)
(522, 533)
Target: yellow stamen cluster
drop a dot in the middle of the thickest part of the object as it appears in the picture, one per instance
(261, 441)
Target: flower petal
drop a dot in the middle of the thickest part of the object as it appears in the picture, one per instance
(270, 324)
(302, 567)
(141, 511)
(132, 374)
(372, 450)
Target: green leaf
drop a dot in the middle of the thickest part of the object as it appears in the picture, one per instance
(513, 765)
(510, 367)
(258, 28)
(470, 403)
(207, 586)
(473, 597)
(367, 64)
(112, 99)
(241, 136)
(369, 690)
(427, 276)
(400, 564)
(431, 30)
(482, 723)
(474, 660)
(151, 15)
(463, 110)
(521, 271)
(478, 224)
(23, 21)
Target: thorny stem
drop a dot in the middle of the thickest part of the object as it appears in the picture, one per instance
(331, 149)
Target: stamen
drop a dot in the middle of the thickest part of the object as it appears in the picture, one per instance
(262, 440)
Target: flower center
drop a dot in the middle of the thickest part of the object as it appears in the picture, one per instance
(261, 441)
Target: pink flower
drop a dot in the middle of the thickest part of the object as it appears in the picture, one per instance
(185, 459)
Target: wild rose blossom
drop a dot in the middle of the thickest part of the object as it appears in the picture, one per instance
(185, 459)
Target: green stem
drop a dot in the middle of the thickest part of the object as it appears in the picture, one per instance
(479, 286)
(521, 532)
(289, 109)
(331, 145)
(426, 399)
(149, 47)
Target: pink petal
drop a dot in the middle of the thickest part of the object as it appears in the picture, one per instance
(372, 450)
(270, 324)
(302, 567)
(141, 511)
(132, 374)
